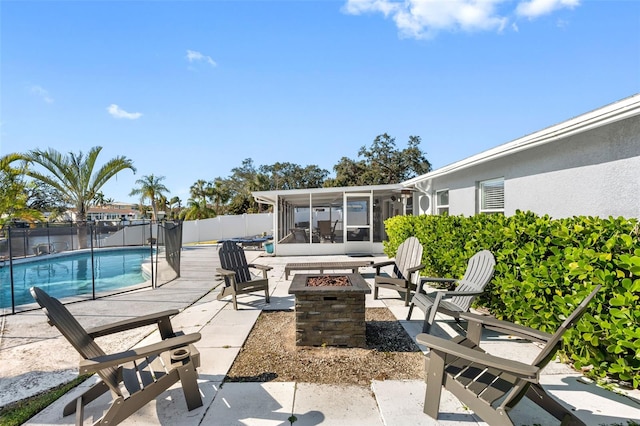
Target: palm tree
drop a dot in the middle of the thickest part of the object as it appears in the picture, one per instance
(200, 190)
(100, 200)
(163, 203)
(152, 189)
(74, 175)
(172, 203)
(197, 209)
(219, 194)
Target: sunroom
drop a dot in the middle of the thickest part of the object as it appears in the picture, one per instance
(344, 220)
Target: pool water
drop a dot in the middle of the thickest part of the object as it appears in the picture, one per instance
(71, 275)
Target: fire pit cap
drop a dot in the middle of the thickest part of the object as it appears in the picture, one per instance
(299, 284)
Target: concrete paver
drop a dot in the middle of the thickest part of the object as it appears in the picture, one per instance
(401, 402)
(27, 337)
(341, 405)
(252, 404)
(218, 362)
(591, 403)
(228, 328)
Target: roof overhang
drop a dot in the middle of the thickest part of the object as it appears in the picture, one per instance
(320, 194)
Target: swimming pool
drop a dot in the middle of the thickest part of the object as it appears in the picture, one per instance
(70, 275)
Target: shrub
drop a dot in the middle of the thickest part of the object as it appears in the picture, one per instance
(544, 268)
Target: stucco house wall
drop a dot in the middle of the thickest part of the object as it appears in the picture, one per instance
(462, 188)
(595, 174)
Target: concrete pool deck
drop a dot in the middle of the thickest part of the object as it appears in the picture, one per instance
(35, 357)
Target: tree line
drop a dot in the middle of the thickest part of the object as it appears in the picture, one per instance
(40, 181)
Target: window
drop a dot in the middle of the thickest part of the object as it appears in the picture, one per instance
(442, 201)
(491, 194)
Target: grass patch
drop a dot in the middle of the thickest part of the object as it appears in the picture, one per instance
(19, 412)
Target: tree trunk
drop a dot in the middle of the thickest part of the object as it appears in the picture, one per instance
(83, 241)
(154, 207)
(81, 224)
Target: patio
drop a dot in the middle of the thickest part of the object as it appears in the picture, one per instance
(34, 358)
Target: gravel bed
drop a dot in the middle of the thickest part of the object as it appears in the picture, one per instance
(270, 354)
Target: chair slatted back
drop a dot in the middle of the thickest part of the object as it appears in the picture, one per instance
(60, 317)
(233, 259)
(478, 274)
(551, 347)
(409, 255)
(554, 343)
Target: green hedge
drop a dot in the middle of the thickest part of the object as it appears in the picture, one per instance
(545, 267)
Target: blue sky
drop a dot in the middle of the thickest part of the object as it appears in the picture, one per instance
(189, 89)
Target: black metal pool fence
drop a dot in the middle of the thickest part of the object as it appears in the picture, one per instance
(20, 242)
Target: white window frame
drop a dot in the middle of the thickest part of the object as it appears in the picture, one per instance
(491, 196)
(442, 208)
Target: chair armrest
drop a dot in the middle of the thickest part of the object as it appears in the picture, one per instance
(506, 327)
(411, 278)
(400, 282)
(438, 280)
(433, 280)
(92, 365)
(379, 265)
(445, 295)
(520, 369)
(261, 267)
(131, 323)
(453, 293)
(415, 268)
(450, 281)
(225, 272)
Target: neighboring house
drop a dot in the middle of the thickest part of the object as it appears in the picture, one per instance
(588, 165)
(113, 212)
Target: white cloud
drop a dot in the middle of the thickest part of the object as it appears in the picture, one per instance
(195, 56)
(423, 19)
(42, 93)
(118, 112)
(535, 8)
(357, 7)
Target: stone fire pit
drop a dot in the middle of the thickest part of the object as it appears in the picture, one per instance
(330, 309)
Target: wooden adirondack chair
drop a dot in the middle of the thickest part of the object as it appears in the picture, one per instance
(406, 270)
(144, 372)
(487, 384)
(237, 276)
(454, 302)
